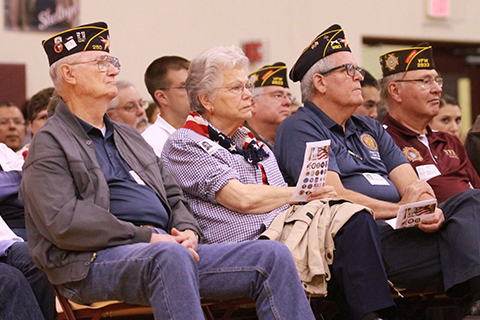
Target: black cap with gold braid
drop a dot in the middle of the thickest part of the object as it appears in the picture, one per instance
(413, 58)
(329, 41)
(93, 36)
(274, 75)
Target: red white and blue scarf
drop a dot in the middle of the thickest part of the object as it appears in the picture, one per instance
(252, 151)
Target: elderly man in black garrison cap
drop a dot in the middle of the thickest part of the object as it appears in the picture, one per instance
(331, 92)
(106, 222)
(411, 87)
(368, 168)
(271, 101)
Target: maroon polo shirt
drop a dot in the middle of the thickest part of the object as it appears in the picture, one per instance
(450, 156)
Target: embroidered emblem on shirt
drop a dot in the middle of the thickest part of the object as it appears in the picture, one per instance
(369, 142)
(412, 154)
(451, 153)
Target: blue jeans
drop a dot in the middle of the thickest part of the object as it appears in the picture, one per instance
(26, 289)
(165, 276)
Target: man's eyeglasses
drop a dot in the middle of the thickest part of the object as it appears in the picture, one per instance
(277, 95)
(103, 62)
(426, 83)
(16, 121)
(350, 68)
(132, 107)
(238, 89)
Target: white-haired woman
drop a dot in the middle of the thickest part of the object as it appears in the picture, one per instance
(231, 180)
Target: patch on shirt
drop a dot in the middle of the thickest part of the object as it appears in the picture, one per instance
(451, 153)
(412, 154)
(209, 146)
(369, 142)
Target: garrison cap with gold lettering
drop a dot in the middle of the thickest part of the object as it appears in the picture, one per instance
(274, 75)
(329, 41)
(407, 59)
(93, 36)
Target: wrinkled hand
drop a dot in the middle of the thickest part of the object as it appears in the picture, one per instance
(189, 240)
(323, 193)
(414, 191)
(186, 238)
(432, 224)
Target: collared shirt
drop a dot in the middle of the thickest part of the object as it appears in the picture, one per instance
(444, 163)
(130, 199)
(202, 168)
(157, 134)
(7, 237)
(11, 209)
(363, 155)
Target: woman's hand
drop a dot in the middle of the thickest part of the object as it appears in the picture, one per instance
(323, 193)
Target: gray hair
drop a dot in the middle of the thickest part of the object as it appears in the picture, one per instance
(121, 84)
(55, 71)
(385, 81)
(205, 69)
(306, 85)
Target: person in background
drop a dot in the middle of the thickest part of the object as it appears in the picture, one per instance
(165, 80)
(472, 145)
(152, 112)
(107, 222)
(25, 292)
(128, 106)
(449, 117)
(12, 127)
(271, 100)
(37, 113)
(371, 97)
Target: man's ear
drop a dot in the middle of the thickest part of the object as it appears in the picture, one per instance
(161, 97)
(68, 74)
(394, 90)
(319, 83)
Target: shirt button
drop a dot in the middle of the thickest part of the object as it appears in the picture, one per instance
(89, 142)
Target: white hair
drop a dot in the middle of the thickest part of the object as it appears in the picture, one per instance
(55, 71)
(206, 68)
(306, 84)
(121, 84)
(385, 81)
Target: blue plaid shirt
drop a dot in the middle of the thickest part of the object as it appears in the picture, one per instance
(202, 168)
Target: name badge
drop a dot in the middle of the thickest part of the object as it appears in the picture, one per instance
(209, 146)
(427, 172)
(375, 179)
(136, 177)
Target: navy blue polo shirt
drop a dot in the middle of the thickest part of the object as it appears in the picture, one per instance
(129, 200)
(364, 148)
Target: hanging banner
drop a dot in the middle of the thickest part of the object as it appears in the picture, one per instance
(41, 15)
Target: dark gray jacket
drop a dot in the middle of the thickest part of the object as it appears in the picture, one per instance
(67, 200)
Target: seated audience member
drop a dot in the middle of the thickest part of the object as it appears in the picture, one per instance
(37, 113)
(128, 106)
(472, 145)
(371, 97)
(271, 100)
(235, 189)
(12, 127)
(11, 209)
(106, 222)
(295, 105)
(152, 112)
(165, 80)
(366, 167)
(449, 117)
(25, 292)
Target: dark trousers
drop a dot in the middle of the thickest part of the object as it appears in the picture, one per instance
(415, 259)
(359, 281)
(24, 287)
